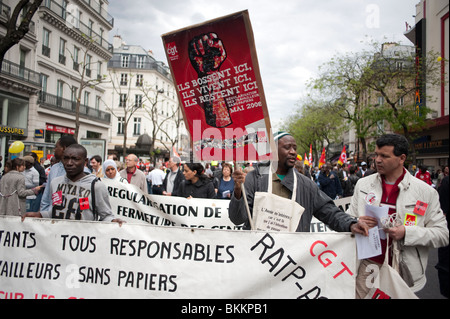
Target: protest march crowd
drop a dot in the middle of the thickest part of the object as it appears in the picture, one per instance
(71, 188)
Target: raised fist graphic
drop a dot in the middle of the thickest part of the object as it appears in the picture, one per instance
(207, 54)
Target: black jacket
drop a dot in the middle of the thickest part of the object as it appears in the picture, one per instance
(203, 188)
(177, 182)
(309, 196)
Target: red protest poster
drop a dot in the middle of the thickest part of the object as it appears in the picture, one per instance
(216, 73)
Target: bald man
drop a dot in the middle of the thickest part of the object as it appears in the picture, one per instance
(134, 175)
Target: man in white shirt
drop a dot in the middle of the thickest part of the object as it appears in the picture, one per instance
(157, 176)
(31, 180)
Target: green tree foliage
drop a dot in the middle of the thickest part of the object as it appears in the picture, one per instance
(314, 122)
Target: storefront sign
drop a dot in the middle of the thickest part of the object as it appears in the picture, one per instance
(12, 130)
(59, 129)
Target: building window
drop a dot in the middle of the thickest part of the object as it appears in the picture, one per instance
(62, 51)
(76, 53)
(120, 121)
(90, 27)
(99, 70)
(138, 100)
(44, 83)
(124, 79)
(86, 98)
(123, 100)
(74, 95)
(137, 126)
(64, 9)
(88, 65)
(380, 101)
(140, 62)
(59, 92)
(46, 43)
(97, 102)
(139, 79)
(125, 61)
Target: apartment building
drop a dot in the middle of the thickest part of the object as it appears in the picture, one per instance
(142, 100)
(431, 33)
(65, 53)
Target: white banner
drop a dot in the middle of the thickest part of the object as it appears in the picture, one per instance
(130, 204)
(41, 258)
(319, 227)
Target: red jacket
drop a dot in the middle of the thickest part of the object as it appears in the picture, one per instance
(426, 177)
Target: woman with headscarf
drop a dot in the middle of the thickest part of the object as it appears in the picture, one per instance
(110, 171)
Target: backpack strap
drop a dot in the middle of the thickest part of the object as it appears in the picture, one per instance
(94, 208)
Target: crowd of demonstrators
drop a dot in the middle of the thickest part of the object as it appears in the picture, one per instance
(315, 191)
(338, 181)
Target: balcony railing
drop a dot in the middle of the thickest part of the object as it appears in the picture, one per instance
(77, 24)
(21, 73)
(98, 7)
(60, 104)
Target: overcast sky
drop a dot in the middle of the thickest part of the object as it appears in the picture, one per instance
(293, 37)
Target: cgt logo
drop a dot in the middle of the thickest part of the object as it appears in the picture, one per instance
(172, 51)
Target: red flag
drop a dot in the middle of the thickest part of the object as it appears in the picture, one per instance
(322, 158)
(343, 158)
(310, 154)
(306, 162)
(175, 152)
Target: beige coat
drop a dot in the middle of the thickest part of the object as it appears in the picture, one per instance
(430, 231)
(13, 194)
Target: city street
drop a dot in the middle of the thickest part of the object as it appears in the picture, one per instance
(431, 289)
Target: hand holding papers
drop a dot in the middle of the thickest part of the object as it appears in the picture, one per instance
(370, 246)
(380, 213)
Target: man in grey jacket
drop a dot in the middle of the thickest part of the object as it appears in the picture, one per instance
(308, 195)
(75, 195)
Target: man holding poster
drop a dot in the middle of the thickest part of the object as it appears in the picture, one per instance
(216, 74)
(307, 195)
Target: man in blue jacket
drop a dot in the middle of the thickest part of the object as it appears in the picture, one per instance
(329, 182)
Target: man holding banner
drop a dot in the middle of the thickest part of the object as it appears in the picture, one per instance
(307, 195)
(77, 195)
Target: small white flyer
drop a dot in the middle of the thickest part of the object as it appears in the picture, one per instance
(379, 212)
(369, 246)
